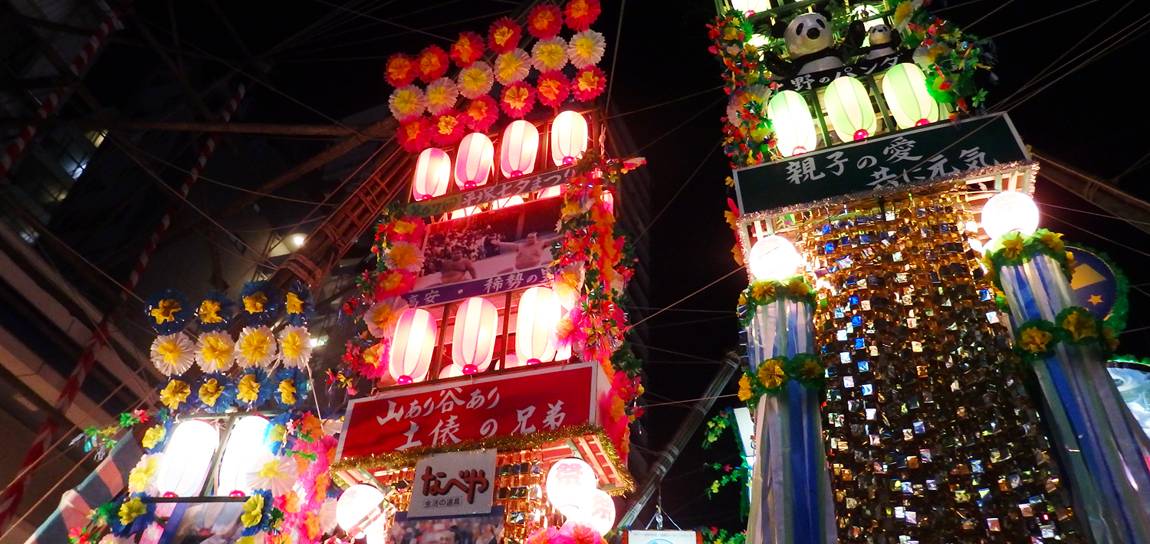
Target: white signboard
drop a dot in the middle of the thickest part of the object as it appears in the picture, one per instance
(661, 537)
(453, 484)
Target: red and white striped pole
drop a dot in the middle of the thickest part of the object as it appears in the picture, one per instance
(79, 65)
(14, 493)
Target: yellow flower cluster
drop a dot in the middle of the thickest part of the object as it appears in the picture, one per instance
(174, 394)
(253, 511)
(1035, 340)
(153, 436)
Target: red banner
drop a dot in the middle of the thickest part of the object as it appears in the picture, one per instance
(438, 415)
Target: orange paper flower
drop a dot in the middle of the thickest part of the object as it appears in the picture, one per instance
(400, 70)
(504, 35)
(518, 100)
(467, 49)
(581, 13)
(588, 84)
(544, 21)
(552, 88)
(432, 64)
(414, 135)
(481, 113)
(447, 128)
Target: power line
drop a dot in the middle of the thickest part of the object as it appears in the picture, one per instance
(691, 294)
(679, 126)
(667, 102)
(678, 192)
(615, 55)
(1041, 19)
(384, 21)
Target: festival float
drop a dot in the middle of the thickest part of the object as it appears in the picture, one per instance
(924, 362)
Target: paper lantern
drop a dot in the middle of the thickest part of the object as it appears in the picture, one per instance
(508, 202)
(569, 137)
(600, 514)
(246, 449)
(432, 174)
(751, 6)
(518, 148)
(475, 161)
(794, 126)
(535, 326)
(464, 212)
(187, 458)
(569, 484)
(1009, 211)
(774, 258)
(355, 505)
(473, 338)
(904, 89)
(551, 192)
(412, 346)
(849, 109)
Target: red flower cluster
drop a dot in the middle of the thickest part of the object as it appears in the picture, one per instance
(581, 13)
(432, 63)
(481, 113)
(415, 135)
(552, 89)
(544, 21)
(400, 70)
(518, 100)
(504, 35)
(467, 49)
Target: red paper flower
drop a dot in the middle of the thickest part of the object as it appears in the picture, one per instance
(415, 135)
(588, 84)
(518, 99)
(433, 63)
(400, 70)
(467, 49)
(581, 13)
(480, 114)
(447, 128)
(544, 21)
(504, 35)
(552, 88)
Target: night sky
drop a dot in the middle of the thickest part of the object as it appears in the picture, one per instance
(1091, 120)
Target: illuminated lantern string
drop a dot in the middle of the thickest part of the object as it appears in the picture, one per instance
(244, 452)
(518, 149)
(906, 95)
(411, 346)
(849, 109)
(432, 174)
(187, 458)
(569, 137)
(535, 326)
(793, 124)
(475, 161)
(473, 338)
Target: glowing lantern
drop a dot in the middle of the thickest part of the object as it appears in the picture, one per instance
(464, 212)
(904, 89)
(600, 514)
(432, 174)
(535, 326)
(569, 485)
(774, 258)
(355, 505)
(518, 148)
(187, 458)
(1009, 211)
(569, 136)
(849, 109)
(473, 340)
(794, 126)
(411, 346)
(506, 202)
(475, 161)
(246, 449)
(751, 6)
(551, 192)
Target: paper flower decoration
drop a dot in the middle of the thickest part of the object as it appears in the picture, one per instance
(517, 100)
(257, 512)
(381, 317)
(447, 128)
(409, 229)
(175, 394)
(297, 304)
(581, 13)
(405, 255)
(215, 351)
(432, 63)
(586, 48)
(393, 283)
(295, 346)
(476, 80)
(588, 84)
(504, 35)
(481, 113)
(375, 360)
(290, 388)
(258, 300)
(544, 21)
(173, 354)
(406, 103)
(552, 89)
(400, 71)
(549, 55)
(215, 312)
(276, 474)
(251, 390)
(142, 478)
(255, 347)
(156, 437)
(168, 311)
(133, 516)
(467, 49)
(441, 95)
(215, 394)
(512, 66)
(415, 135)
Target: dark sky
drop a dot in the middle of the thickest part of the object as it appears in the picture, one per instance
(1091, 119)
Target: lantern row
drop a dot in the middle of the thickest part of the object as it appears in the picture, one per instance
(519, 147)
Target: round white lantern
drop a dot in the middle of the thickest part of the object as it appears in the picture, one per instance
(187, 458)
(247, 448)
(412, 346)
(849, 109)
(751, 6)
(518, 148)
(904, 89)
(535, 326)
(600, 514)
(357, 503)
(793, 124)
(569, 136)
(570, 483)
(432, 174)
(473, 337)
(475, 161)
(1009, 211)
(774, 258)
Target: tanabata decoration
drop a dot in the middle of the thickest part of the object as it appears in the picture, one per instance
(586, 48)
(415, 135)
(518, 100)
(544, 21)
(381, 316)
(297, 304)
(581, 14)
(168, 312)
(215, 394)
(401, 70)
(773, 373)
(406, 103)
(252, 388)
(175, 393)
(295, 346)
(760, 293)
(588, 84)
(552, 89)
(259, 302)
(730, 474)
(441, 95)
(255, 347)
(432, 63)
(549, 55)
(447, 128)
(504, 35)
(467, 50)
(568, 533)
(215, 351)
(173, 354)
(476, 80)
(481, 113)
(289, 388)
(512, 66)
(955, 64)
(214, 312)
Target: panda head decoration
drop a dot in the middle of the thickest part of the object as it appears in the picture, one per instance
(810, 41)
(880, 34)
(808, 33)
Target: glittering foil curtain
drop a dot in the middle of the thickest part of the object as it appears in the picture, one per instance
(790, 487)
(1100, 441)
(931, 435)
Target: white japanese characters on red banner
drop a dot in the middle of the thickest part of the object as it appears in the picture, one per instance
(453, 484)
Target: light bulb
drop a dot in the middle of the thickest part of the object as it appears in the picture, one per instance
(774, 258)
(1009, 211)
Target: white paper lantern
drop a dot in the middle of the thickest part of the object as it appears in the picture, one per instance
(473, 336)
(412, 346)
(601, 513)
(774, 258)
(355, 505)
(569, 138)
(508, 202)
(849, 109)
(518, 149)
(432, 174)
(751, 6)
(904, 89)
(1009, 211)
(793, 124)
(570, 483)
(474, 161)
(536, 324)
(187, 458)
(464, 212)
(247, 448)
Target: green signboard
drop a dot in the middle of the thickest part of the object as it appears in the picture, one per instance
(912, 157)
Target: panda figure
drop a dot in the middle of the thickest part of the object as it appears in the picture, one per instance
(884, 41)
(810, 44)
